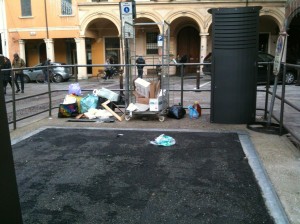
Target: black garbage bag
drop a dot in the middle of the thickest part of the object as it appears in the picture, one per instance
(176, 111)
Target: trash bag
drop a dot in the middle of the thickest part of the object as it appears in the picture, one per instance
(75, 89)
(68, 110)
(88, 102)
(193, 112)
(176, 111)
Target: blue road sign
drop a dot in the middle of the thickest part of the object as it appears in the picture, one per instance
(126, 9)
(160, 38)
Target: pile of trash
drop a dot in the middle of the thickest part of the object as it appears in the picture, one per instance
(100, 104)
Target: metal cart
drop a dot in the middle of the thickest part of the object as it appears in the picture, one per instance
(161, 61)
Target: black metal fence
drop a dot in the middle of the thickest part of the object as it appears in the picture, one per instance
(182, 78)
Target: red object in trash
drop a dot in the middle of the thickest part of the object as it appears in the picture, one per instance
(197, 107)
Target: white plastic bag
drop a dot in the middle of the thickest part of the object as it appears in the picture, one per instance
(164, 140)
(106, 93)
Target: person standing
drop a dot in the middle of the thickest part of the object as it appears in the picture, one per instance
(6, 74)
(19, 63)
(45, 70)
(107, 69)
(140, 65)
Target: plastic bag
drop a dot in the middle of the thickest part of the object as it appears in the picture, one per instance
(106, 93)
(193, 112)
(70, 98)
(176, 111)
(75, 89)
(88, 102)
(164, 140)
(68, 110)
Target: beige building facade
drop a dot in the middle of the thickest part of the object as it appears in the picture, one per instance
(87, 32)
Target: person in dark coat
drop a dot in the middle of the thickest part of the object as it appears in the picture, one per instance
(45, 70)
(6, 74)
(140, 65)
(183, 59)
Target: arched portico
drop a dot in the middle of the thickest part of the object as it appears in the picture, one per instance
(293, 43)
(268, 33)
(196, 22)
(103, 31)
(185, 40)
(94, 16)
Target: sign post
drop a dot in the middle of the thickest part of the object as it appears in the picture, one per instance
(280, 46)
(127, 14)
(126, 10)
(160, 39)
(278, 53)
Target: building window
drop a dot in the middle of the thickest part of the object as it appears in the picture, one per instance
(112, 49)
(151, 43)
(26, 7)
(66, 7)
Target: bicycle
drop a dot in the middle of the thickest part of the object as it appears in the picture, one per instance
(114, 72)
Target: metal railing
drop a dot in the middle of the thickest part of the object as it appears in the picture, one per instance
(182, 89)
(282, 98)
(49, 93)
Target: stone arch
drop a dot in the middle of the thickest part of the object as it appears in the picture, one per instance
(150, 15)
(190, 14)
(98, 15)
(293, 43)
(292, 15)
(275, 15)
(207, 24)
(156, 18)
(185, 29)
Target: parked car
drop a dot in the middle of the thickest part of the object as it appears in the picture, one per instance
(60, 73)
(291, 74)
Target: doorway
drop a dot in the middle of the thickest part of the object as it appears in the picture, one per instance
(263, 44)
(42, 52)
(188, 43)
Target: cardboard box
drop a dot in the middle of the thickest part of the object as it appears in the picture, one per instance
(142, 87)
(156, 104)
(154, 89)
(140, 99)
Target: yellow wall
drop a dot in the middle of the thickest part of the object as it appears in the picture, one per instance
(32, 49)
(60, 50)
(97, 54)
(38, 18)
(34, 27)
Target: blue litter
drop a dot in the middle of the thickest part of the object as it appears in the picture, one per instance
(164, 140)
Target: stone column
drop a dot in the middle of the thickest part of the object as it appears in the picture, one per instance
(50, 49)
(203, 48)
(81, 57)
(22, 49)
